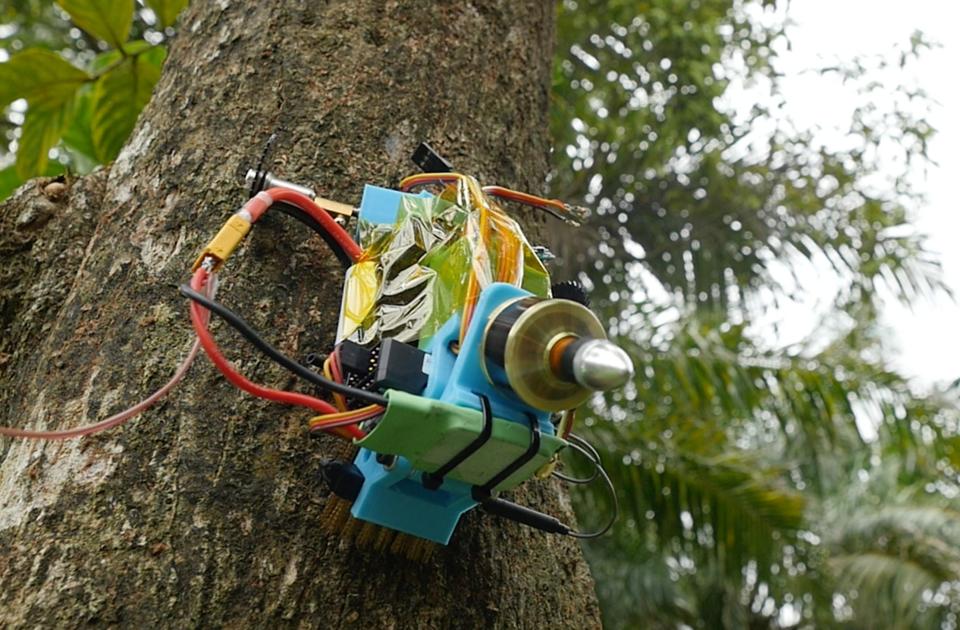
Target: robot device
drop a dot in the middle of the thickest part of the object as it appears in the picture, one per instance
(470, 400)
(457, 366)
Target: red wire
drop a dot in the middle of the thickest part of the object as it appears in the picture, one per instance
(256, 208)
(239, 380)
(337, 375)
(347, 422)
(114, 420)
(423, 180)
(323, 218)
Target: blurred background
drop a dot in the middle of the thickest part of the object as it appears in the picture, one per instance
(773, 243)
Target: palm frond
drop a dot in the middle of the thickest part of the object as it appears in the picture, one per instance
(636, 586)
(889, 591)
(895, 561)
(731, 506)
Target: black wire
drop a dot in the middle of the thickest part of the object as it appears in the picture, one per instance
(573, 437)
(576, 480)
(550, 524)
(257, 184)
(261, 344)
(550, 211)
(292, 211)
(587, 449)
(304, 218)
(616, 510)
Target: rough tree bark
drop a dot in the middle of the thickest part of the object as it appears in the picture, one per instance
(204, 511)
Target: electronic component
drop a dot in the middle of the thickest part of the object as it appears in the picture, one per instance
(570, 290)
(452, 356)
(355, 358)
(400, 367)
(429, 160)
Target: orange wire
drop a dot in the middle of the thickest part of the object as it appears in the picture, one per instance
(422, 179)
(525, 198)
(336, 420)
(508, 246)
(338, 399)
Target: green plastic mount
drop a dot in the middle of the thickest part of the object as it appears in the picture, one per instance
(430, 432)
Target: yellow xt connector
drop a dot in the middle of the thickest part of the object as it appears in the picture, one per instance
(226, 240)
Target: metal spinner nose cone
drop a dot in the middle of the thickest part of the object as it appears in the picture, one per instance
(602, 365)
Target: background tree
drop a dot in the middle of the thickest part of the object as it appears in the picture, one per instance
(205, 512)
(754, 498)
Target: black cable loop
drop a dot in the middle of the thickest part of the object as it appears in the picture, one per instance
(578, 480)
(283, 360)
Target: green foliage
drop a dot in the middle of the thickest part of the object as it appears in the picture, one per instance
(738, 459)
(41, 77)
(712, 206)
(891, 548)
(9, 180)
(41, 129)
(33, 24)
(48, 83)
(79, 101)
(109, 20)
(118, 97)
(78, 137)
(167, 10)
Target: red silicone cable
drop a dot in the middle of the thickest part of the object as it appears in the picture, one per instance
(114, 420)
(197, 315)
(118, 418)
(322, 216)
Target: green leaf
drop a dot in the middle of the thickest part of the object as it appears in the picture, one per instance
(154, 54)
(118, 97)
(112, 57)
(41, 77)
(9, 181)
(78, 137)
(167, 10)
(49, 84)
(108, 20)
(41, 130)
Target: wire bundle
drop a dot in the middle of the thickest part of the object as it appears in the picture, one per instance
(338, 420)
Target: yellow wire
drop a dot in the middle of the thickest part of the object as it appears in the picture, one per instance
(338, 399)
(413, 180)
(341, 403)
(509, 243)
(333, 417)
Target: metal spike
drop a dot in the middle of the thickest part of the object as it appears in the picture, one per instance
(400, 543)
(335, 515)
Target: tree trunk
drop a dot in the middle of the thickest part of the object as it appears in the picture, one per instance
(205, 510)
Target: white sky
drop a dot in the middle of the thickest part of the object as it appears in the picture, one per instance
(927, 335)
